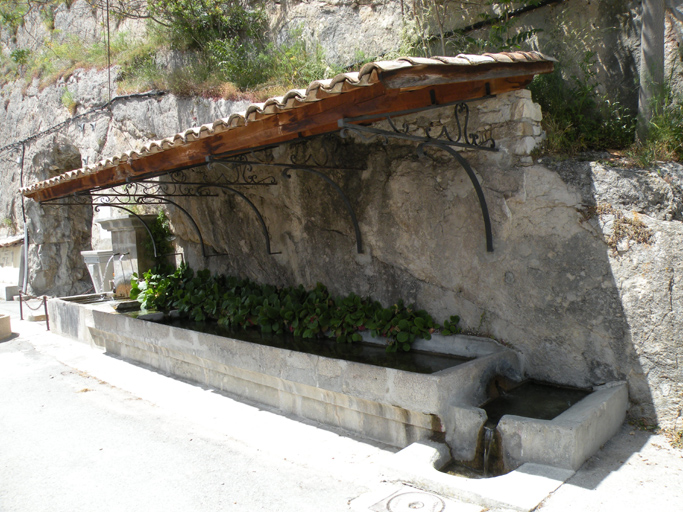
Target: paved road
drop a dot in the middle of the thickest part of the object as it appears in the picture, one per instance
(83, 431)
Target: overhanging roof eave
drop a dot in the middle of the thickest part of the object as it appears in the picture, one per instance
(414, 86)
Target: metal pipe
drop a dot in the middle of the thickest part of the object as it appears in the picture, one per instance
(105, 269)
(24, 286)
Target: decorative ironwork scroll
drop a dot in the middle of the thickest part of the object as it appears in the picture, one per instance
(229, 171)
(443, 140)
(235, 171)
(423, 134)
(124, 203)
(179, 184)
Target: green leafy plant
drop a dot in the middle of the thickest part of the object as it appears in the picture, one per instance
(241, 303)
(223, 48)
(194, 24)
(20, 55)
(576, 116)
(12, 14)
(665, 133)
(9, 225)
(160, 228)
(68, 101)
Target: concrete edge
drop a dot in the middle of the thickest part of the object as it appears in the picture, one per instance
(522, 489)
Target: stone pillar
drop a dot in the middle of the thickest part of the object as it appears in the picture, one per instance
(128, 240)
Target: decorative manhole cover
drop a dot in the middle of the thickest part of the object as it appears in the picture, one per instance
(412, 501)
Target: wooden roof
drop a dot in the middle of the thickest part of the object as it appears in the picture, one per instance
(379, 88)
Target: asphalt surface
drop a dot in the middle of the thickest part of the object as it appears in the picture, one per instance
(84, 431)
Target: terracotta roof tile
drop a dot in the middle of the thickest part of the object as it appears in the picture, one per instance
(317, 90)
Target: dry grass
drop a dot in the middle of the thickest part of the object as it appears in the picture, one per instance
(675, 438)
(625, 227)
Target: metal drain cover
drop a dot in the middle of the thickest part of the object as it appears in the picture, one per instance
(403, 498)
(412, 501)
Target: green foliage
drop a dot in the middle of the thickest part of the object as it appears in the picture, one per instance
(162, 236)
(289, 65)
(235, 302)
(47, 14)
(227, 39)
(665, 133)
(665, 137)
(500, 32)
(68, 101)
(195, 24)
(503, 34)
(296, 66)
(20, 55)
(577, 117)
(225, 47)
(12, 14)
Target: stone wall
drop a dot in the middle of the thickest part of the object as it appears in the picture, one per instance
(581, 304)
(57, 235)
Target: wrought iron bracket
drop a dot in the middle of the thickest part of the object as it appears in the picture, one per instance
(442, 140)
(227, 172)
(123, 203)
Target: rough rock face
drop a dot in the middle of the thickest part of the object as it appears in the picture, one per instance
(57, 234)
(584, 279)
(77, 19)
(346, 29)
(56, 266)
(647, 276)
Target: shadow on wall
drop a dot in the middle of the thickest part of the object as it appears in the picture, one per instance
(581, 312)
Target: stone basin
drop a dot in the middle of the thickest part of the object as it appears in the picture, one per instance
(565, 441)
(5, 326)
(393, 406)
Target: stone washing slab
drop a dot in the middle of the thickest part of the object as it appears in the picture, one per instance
(520, 490)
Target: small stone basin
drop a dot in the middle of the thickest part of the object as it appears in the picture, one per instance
(5, 326)
(532, 399)
(538, 423)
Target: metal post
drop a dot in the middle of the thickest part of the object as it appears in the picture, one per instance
(47, 318)
(21, 307)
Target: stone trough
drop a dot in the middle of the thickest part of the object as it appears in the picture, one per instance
(5, 327)
(389, 405)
